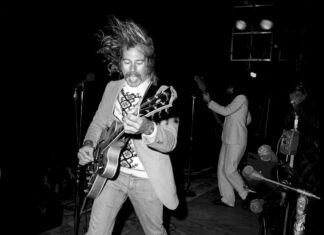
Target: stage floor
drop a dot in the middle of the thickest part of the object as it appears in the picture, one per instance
(196, 214)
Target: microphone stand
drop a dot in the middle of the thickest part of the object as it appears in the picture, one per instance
(188, 191)
(302, 201)
(256, 175)
(291, 160)
(78, 170)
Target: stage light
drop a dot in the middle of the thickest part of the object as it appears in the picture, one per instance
(252, 33)
(266, 24)
(240, 24)
(253, 74)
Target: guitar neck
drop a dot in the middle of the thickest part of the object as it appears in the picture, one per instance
(202, 85)
(114, 135)
(152, 105)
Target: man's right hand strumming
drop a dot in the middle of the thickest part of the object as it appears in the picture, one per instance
(85, 155)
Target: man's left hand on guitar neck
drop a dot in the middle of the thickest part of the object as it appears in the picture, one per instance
(134, 124)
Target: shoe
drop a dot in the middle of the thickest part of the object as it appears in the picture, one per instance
(246, 202)
(219, 202)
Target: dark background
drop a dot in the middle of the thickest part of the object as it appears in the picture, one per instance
(47, 49)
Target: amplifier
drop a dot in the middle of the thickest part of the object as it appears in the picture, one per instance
(289, 142)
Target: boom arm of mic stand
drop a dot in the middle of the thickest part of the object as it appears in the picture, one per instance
(291, 188)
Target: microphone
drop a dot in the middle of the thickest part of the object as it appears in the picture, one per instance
(266, 154)
(256, 205)
(250, 173)
(89, 78)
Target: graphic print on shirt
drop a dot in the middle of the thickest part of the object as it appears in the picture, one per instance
(128, 103)
(128, 156)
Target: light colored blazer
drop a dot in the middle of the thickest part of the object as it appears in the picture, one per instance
(154, 155)
(237, 117)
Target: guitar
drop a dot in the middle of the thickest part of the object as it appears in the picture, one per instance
(202, 85)
(106, 153)
(201, 82)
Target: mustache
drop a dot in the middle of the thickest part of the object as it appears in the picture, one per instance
(130, 74)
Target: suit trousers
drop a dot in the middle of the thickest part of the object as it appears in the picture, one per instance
(147, 206)
(229, 179)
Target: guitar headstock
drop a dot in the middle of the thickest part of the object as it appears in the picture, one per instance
(158, 103)
(201, 82)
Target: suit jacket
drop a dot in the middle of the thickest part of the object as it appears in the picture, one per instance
(153, 155)
(237, 117)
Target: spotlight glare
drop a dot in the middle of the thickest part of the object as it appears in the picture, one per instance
(253, 74)
(266, 24)
(240, 25)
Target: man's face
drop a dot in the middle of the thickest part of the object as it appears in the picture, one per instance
(134, 66)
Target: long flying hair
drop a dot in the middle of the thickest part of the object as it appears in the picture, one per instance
(125, 34)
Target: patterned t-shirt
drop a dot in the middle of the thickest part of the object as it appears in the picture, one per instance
(128, 101)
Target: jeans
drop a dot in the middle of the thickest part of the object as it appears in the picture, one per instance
(148, 208)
